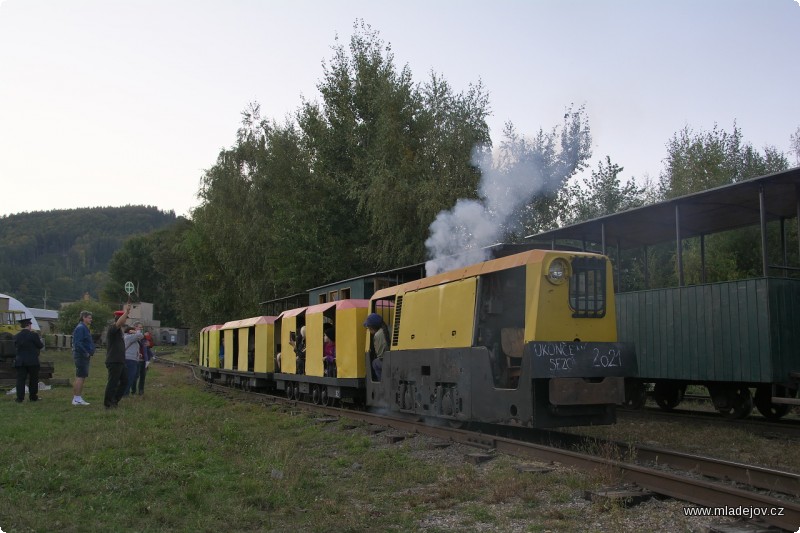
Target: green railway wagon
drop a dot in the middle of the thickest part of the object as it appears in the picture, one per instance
(734, 330)
(728, 336)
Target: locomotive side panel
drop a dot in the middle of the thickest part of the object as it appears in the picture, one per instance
(437, 317)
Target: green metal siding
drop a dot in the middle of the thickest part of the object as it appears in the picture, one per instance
(357, 290)
(745, 331)
(784, 300)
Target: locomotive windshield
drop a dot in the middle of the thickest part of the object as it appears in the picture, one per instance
(587, 287)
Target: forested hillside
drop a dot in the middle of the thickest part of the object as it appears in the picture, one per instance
(50, 257)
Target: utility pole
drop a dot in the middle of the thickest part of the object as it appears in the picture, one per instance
(44, 303)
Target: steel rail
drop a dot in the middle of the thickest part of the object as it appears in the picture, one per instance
(755, 476)
(759, 477)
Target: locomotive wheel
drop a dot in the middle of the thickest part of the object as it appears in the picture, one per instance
(740, 403)
(289, 391)
(668, 395)
(773, 411)
(315, 395)
(324, 398)
(635, 394)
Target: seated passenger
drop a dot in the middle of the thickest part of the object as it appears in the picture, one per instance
(329, 351)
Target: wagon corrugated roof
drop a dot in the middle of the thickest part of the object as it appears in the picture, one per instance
(339, 304)
(247, 322)
(720, 209)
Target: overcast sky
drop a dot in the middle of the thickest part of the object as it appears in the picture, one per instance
(112, 102)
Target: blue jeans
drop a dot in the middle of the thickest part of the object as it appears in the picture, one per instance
(142, 373)
(132, 367)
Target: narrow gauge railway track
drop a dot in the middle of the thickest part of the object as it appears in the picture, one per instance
(758, 477)
(657, 479)
(785, 428)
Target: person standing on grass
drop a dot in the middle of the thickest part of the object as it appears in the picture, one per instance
(145, 346)
(115, 360)
(82, 351)
(132, 353)
(26, 361)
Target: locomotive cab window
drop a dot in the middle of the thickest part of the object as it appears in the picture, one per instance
(587, 287)
(385, 307)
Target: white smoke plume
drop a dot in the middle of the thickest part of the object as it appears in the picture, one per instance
(526, 168)
(459, 237)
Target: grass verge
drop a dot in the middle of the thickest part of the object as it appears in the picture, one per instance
(183, 459)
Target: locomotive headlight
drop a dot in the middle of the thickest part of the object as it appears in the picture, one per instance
(557, 271)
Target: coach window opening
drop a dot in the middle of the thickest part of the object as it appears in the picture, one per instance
(251, 348)
(221, 349)
(276, 342)
(328, 324)
(235, 351)
(300, 360)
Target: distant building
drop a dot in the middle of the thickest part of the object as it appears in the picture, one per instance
(47, 319)
(143, 312)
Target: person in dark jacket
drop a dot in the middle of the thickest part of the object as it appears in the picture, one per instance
(26, 362)
(115, 360)
(82, 351)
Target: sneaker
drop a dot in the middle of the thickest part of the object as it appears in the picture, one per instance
(79, 401)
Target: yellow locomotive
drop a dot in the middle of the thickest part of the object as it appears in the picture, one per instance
(528, 340)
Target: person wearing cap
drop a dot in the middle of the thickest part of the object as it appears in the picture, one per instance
(82, 350)
(26, 362)
(115, 360)
(379, 342)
